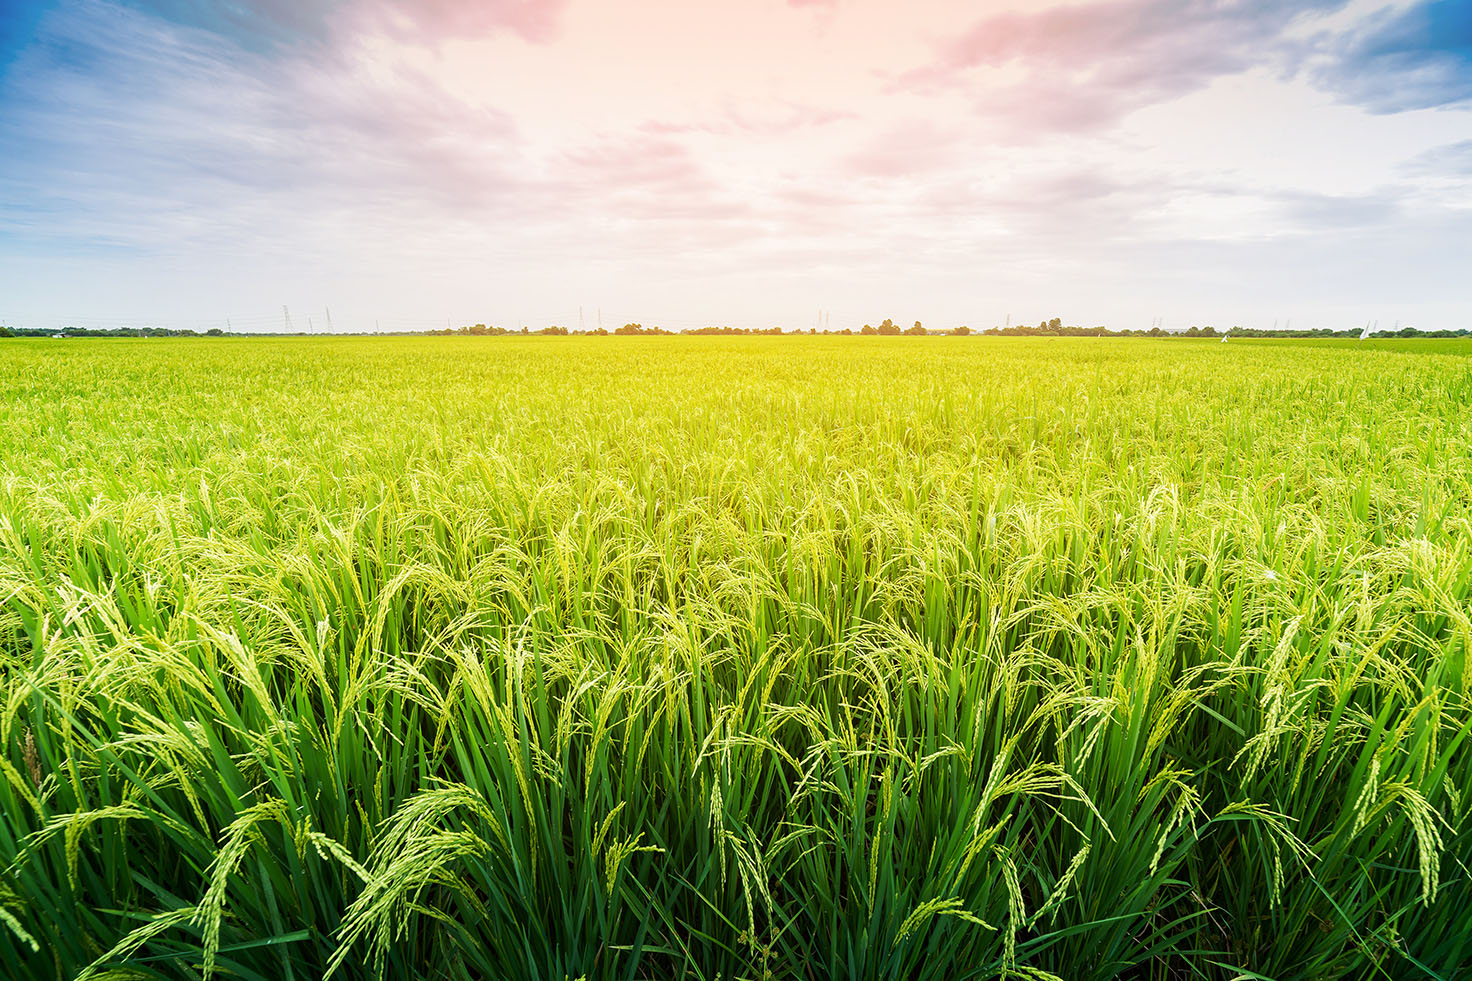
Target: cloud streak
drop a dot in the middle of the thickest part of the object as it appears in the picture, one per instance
(263, 25)
(1416, 57)
(1081, 66)
(526, 152)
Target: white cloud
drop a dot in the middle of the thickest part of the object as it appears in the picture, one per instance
(744, 164)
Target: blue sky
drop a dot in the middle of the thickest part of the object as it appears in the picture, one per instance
(405, 162)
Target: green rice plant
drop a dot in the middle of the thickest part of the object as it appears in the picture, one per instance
(735, 658)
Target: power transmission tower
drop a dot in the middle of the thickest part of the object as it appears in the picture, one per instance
(287, 315)
(329, 319)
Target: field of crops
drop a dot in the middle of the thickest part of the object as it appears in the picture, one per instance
(742, 658)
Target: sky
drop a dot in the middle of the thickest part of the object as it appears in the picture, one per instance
(409, 163)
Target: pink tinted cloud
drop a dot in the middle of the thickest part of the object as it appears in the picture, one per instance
(908, 150)
(623, 162)
(439, 20)
(784, 120)
(744, 120)
(1087, 65)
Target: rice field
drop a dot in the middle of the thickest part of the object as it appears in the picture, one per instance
(751, 658)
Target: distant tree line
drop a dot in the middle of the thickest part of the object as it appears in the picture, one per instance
(1325, 332)
(481, 330)
(105, 332)
(888, 328)
(731, 331)
(1056, 328)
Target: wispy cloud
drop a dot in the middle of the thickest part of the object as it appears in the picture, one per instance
(119, 117)
(1450, 160)
(1081, 65)
(1074, 66)
(509, 151)
(264, 24)
(1414, 57)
